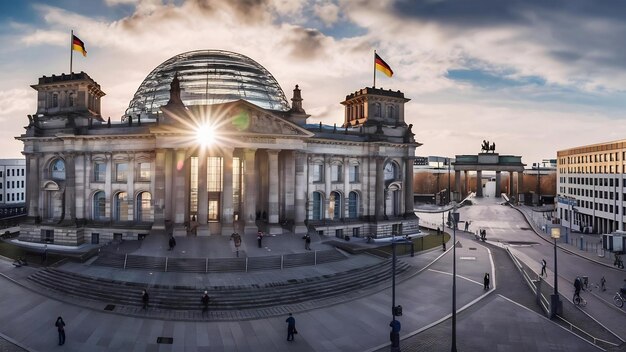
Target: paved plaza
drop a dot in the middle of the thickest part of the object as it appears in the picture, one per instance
(500, 319)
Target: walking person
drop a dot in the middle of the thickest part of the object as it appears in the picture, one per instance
(543, 268)
(291, 327)
(394, 334)
(205, 302)
(486, 281)
(466, 226)
(145, 299)
(307, 242)
(60, 325)
(172, 243)
(44, 254)
(259, 238)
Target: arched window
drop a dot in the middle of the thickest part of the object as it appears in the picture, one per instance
(55, 100)
(390, 112)
(318, 207)
(58, 170)
(70, 100)
(377, 110)
(391, 171)
(353, 205)
(143, 206)
(99, 206)
(121, 206)
(334, 206)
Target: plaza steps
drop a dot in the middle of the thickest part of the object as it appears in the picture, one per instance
(216, 265)
(352, 283)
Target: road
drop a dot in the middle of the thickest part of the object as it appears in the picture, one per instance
(507, 226)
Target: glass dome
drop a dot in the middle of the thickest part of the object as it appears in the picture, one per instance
(208, 77)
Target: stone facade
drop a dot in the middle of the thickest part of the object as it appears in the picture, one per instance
(90, 180)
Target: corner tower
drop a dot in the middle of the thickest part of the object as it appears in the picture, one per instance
(374, 107)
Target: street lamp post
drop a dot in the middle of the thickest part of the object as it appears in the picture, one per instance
(395, 310)
(455, 220)
(555, 233)
(448, 161)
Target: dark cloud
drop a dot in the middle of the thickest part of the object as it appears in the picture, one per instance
(305, 43)
(248, 10)
(496, 12)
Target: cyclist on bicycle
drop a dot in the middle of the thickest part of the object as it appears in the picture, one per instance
(577, 286)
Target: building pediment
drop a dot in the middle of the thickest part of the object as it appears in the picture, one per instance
(238, 117)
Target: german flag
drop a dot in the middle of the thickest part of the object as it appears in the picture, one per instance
(382, 66)
(78, 45)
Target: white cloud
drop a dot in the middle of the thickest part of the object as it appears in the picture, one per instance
(448, 117)
(327, 12)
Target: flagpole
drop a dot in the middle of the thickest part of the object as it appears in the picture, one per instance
(71, 49)
(374, 86)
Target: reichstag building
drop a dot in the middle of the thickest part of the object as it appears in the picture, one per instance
(210, 145)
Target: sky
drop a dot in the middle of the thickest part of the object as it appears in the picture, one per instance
(533, 76)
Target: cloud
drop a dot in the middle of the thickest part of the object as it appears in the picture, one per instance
(16, 104)
(327, 12)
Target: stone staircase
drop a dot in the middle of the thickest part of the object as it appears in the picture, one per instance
(343, 285)
(214, 265)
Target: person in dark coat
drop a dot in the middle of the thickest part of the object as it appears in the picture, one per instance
(60, 325)
(145, 299)
(307, 242)
(172, 243)
(291, 327)
(486, 281)
(543, 268)
(259, 238)
(205, 302)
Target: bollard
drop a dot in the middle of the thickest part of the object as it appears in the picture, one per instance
(581, 243)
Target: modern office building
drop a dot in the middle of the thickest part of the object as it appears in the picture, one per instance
(210, 145)
(12, 183)
(590, 187)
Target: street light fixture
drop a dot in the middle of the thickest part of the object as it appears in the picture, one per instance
(455, 221)
(555, 233)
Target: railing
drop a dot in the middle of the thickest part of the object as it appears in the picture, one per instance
(543, 302)
(171, 264)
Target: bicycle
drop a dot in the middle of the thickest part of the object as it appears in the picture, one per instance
(579, 301)
(618, 299)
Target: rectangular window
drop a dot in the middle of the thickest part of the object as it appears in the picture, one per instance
(354, 173)
(121, 172)
(214, 186)
(22, 184)
(317, 173)
(144, 171)
(22, 172)
(336, 173)
(12, 184)
(193, 192)
(99, 172)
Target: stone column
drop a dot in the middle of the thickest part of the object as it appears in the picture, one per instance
(250, 191)
(289, 164)
(70, 188)
(159, 190)
(457, 185)
(409, 202)
(179, 193)
(301, 192)
(346, 186)
(520, 184)
(272, 197)
(498, 187)
(130, 186)
(227, 193)
(511, 192)
(479, 183)
(466, 183)
(379, 209)
(32, 185)
(327, 186)
(108, 187)
(203, 197)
